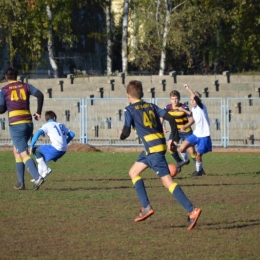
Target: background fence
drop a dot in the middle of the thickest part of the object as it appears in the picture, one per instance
(97, 121)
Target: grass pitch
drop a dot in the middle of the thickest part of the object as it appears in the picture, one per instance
(86, 210)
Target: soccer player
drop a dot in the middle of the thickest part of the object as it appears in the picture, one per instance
(145, 118)
(184, 122)
(201, 134)
(59, 135)
(15, 98)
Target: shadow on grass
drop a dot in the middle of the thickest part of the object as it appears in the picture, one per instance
(224, 225)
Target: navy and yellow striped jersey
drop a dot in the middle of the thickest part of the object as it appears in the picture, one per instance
(181, 118)
(16, 96)
(145, 118)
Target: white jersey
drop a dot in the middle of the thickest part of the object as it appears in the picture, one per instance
(57, 133)
(201, 119)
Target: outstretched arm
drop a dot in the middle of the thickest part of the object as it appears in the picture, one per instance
(186, 86)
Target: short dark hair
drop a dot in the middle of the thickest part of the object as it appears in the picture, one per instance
(11, 73)
(135, 89)
(50, 115)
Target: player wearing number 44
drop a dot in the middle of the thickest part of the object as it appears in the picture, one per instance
(15, 98)
(59, 136)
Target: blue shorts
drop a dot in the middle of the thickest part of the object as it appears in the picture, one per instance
(182, 135)
(204, 144)
(155, 161)
(21, 134)
(49, 152)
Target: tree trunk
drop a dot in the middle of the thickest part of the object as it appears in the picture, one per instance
(51, 44)
(164, 39)
(109, 42)
(168, 10)
(124, 36)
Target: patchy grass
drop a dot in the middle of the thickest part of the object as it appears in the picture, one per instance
(85, 210)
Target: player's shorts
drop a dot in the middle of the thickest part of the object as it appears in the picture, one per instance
(182, 135)
(155, 161)
(21, 134)
(50, 153)
(204, 144)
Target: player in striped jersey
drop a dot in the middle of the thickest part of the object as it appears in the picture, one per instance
(184, 122)
(146, 119)
(15, 98)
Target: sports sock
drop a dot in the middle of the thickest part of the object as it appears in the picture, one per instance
(20, 169)
(42, 164)
(193, 156)
(179, 195)
(176, 157)
(198, 166)
(141, 191)
(31, 167)
(185, 156)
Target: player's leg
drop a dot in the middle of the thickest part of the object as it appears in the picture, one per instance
(174, 154)
(138, 167)
(39, 153)
(19, 170)
(204, 146)
(183, 151)
(178, 193)
(21, 134)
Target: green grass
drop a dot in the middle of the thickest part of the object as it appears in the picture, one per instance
(85, 210)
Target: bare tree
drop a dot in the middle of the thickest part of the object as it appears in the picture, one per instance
(51, 43)
(109, 42)
(124, 36)
(168, 11)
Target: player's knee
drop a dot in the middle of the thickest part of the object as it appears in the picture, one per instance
(198, 157)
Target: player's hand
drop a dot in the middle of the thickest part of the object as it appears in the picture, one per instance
(30, 150)
(37, 116)
(165, 130)
(186, 86)
(180, 109)
(173, 146)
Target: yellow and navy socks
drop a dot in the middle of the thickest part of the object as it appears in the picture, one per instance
(20, 169)
(179, 195)
(31, 167)
(141, 191)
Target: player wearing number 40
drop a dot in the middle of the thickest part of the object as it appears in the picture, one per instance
(59, 136)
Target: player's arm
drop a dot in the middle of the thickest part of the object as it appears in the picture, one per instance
(35, 137)
(186, 111)
(34, 140)
(126, 131)
(40, 98)
(70, 136)
(173, 125)
(3, 107)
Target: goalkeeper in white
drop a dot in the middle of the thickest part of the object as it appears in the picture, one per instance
(59, 136)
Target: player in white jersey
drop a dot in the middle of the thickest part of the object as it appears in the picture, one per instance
(59, 136)
(201, 135)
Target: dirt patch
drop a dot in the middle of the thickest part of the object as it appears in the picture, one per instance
(82, 148)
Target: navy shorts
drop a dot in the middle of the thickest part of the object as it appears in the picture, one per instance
(155, 161)
(21, 134)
